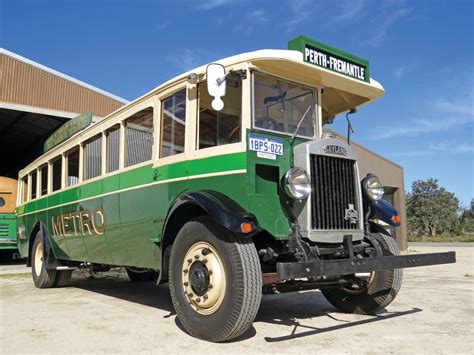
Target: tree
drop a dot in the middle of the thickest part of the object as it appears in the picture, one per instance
(431, 208)
(467, 219)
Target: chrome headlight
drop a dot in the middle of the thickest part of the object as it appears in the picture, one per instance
(297, 184)
(373, 187)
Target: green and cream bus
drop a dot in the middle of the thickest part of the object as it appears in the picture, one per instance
(222, 182)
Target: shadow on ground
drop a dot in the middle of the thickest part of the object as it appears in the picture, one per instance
(285, 309)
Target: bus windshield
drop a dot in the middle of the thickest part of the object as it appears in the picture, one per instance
(279, 105)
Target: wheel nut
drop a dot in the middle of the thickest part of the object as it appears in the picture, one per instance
(190, 295)
(209, 287)
(210, 272)
(204, 261)
(190, 261)
(205, 251)
(185, 284)
(196, 256)
(185, 271)
(205, 297)
(198, 300)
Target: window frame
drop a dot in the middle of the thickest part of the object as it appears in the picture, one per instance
(316, 105)
(123, 146)
(51, 180)
(106, 134)
(198, 118)
(186, 120)
(189, 126)
(246, 124)
(97, 136)
(40, 193)
(66, 173)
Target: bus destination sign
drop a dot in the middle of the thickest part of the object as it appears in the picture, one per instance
(330, 58)
(67, 130)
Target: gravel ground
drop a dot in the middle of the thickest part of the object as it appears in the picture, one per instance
(433, 313)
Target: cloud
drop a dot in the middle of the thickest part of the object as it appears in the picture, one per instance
(188, 59)
(255, 17)
(400, 71)
(298, 12)
(420, 126)
(449, 114)
(212, 4)
(455, 107)
(451, 148)
(162, 25)
(350, 9)
(391, 13)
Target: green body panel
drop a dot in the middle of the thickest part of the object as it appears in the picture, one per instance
(8, 231)
(136, 202)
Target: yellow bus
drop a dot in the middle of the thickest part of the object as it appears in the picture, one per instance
(8, 198)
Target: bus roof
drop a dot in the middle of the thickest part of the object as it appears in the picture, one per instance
(340, 94)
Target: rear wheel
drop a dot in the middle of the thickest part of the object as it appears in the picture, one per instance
(381, 289)
(140, 275)
(63, 278)
(42, 277)
(215, 281)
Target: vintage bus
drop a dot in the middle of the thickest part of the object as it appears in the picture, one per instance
(223, 183)
(8, 199)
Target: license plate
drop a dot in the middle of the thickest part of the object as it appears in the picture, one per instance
(265, 145)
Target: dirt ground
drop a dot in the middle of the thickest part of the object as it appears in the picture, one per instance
(433, 313)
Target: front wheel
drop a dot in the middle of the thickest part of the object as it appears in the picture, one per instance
(215, 281)
(381, 289)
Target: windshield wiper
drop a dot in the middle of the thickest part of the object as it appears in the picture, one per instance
(299, 124)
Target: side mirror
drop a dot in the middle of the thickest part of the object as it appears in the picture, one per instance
(216, 84)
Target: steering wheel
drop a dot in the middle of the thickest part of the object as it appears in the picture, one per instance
(267, 123)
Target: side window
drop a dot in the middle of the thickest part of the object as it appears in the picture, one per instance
(44, 179)
(92, 157)
(220, 127)
(173, 121)
(113, 148)
(139, 137)
(24, 189)
(34, 185)
(57, 164)
(72, 167)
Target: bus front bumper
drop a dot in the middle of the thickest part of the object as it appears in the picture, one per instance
(331, 268)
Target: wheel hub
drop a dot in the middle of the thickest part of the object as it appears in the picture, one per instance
(199, 277)
(38, 259)
(203, 275)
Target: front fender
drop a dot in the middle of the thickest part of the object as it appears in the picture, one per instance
(221, 208)
(385, 212)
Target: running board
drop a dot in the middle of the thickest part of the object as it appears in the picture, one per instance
(319, 268)
(65, 268)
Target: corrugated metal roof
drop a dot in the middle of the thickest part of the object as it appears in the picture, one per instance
(28, 83)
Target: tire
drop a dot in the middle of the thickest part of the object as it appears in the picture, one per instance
(63, 278)
(382, 289)
(215, 281)
(141, 275)
(42, 277)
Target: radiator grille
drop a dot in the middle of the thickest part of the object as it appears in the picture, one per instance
(333, 190)
(4, 229)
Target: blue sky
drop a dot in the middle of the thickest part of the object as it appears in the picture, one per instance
(421, 51)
